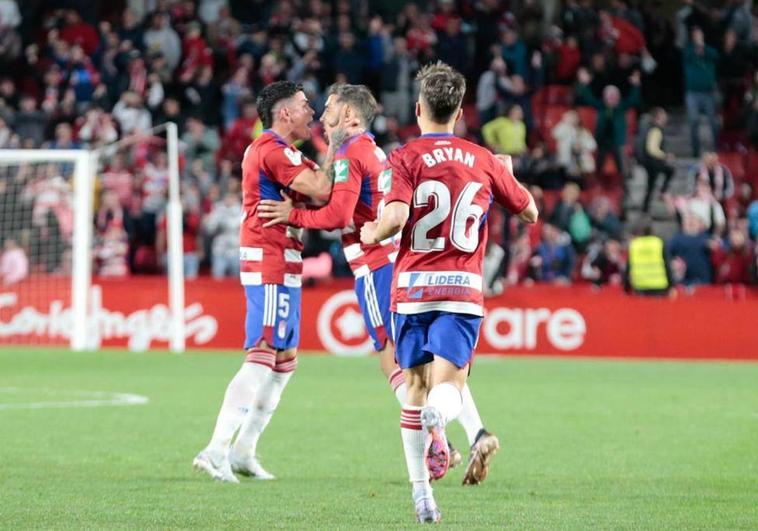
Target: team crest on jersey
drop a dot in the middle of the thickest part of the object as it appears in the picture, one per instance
(296, 158)
(341, 171)
(385, 181)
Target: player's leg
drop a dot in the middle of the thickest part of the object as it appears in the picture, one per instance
(411, 336)
(286, 327)
(373, 293)
(259, 361)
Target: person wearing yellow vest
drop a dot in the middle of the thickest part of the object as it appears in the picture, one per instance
(647, 272)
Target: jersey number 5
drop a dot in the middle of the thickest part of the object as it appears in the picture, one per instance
(465, 212)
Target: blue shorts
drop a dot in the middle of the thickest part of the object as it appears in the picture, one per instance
(273, 315)
(419, 337)
(373, 291)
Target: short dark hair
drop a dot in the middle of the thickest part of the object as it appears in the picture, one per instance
(359, 97)
(442, 88)
(273, 94)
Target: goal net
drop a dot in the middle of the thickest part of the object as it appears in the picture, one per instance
(63, 231)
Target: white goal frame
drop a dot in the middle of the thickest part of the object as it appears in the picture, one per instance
(83, 335)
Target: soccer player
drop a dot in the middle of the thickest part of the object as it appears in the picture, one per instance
(361, 178)
(270, 271)
(441, 189)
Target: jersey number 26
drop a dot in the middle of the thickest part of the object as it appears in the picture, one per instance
(465, 214)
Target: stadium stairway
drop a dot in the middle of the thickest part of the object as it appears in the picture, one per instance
(678, 142)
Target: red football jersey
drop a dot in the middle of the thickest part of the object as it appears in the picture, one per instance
(360, 181)
(269, 255)
(449, 184)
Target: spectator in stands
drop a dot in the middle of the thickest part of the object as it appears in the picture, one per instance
(653, 156)
(30, 122)
(111, 251)
(732, 260)
(131, 115)
(647, 271)
(201, 142)
(109, 212)
(223, 226)
(701, 205)
(506, 134)
(117, 178)
(14, 265)
(604, 220)
(732, 68)
(620, 35)
(97, 128)
(553, 260)
(575, 146)
(610, 131)
(233, 91)
(700, 87)
(715, 174)
(689, 250)
(569, 216)
(397, 73)
(515, 52)
(161, 37)
(604, 263)
(490, 84)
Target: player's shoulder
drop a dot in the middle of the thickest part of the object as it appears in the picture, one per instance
(361, 147)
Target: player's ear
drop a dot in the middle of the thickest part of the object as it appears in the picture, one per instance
(459, 114)
(418, 110)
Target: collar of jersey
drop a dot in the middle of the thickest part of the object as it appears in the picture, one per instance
(436, 135)
(276, 136)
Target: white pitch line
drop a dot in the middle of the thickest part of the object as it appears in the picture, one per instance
(95, 399)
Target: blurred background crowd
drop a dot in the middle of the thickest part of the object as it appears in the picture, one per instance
(627, 119)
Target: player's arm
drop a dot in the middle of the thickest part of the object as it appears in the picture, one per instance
(511, 194)
(335, 215)
(317, 183)
(394, 217)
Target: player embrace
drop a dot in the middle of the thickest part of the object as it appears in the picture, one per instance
(361, 178)
(441, 188)
(271, 267)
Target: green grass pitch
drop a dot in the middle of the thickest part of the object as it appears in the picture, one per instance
(587, 444)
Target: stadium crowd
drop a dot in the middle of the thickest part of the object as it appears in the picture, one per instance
(568, 99)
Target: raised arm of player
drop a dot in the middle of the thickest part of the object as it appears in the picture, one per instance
(511, 194)
(317, 183)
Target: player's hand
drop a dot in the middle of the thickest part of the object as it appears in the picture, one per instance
(368, 232)
(275, 211)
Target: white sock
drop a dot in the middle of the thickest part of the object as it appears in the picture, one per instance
(264, 405)
(445, 398)
(237, 399)
(413, 446)
(397, 382)
(469, 416)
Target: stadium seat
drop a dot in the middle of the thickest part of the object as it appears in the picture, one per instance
(588, 117)
(735, 161)
(559, 95)
(751, 171)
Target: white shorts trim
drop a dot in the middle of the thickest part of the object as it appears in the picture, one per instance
(439, 278)
(442, 306)
(292, 280)
(248, 278)
(372, 303)
(361, 271)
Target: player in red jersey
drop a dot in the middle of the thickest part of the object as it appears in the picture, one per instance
(361, 179)
(441, 190)
(270, 271)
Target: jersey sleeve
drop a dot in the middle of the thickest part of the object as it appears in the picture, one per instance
(338, 212)
(506, 189)
(286, 163)
(401, 183)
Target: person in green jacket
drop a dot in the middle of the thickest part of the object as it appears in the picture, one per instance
(610, 131)
(699, 62)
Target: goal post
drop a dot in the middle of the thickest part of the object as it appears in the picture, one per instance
(59, 186)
